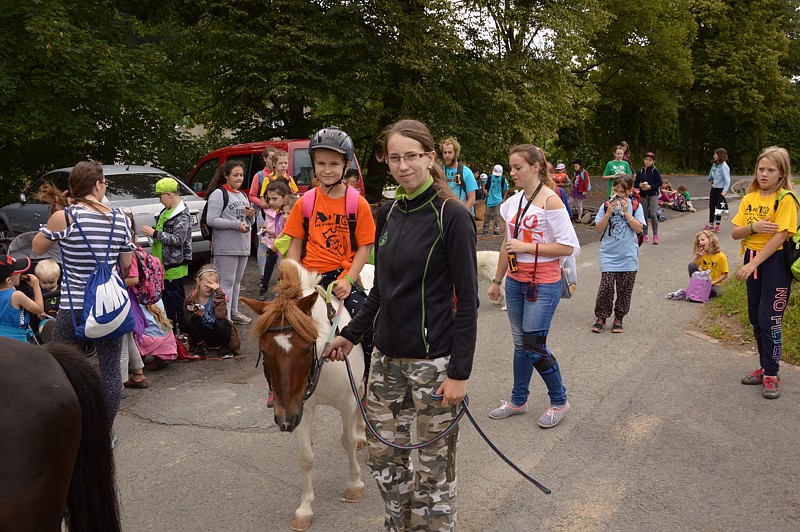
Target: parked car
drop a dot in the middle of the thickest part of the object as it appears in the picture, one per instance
(250, 156)
(131, 188)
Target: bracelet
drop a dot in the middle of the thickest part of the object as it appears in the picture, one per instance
(352, 282)
(498, 283)
(752, 231)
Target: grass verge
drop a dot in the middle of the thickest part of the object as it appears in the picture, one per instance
(725, 318)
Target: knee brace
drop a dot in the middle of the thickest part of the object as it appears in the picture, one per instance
(536, 344)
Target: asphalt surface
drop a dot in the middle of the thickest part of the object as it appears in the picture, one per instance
(661, 434)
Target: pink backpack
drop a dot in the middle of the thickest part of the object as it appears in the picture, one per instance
(151, 278)
(350, 206)
(699, 289)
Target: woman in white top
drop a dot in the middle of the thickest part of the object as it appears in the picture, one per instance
(539, 234)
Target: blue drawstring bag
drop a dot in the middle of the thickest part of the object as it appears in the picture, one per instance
(107, 311)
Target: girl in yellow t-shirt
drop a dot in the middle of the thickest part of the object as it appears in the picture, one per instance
(763, 227)
(708, 256)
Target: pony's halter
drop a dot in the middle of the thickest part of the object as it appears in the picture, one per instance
(316, 363)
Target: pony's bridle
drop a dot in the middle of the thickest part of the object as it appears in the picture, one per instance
(316, 363)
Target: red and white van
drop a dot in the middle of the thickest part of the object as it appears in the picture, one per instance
(250, 156)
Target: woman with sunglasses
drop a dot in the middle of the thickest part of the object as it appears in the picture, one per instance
(87, 190)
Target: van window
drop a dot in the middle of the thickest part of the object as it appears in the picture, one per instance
(302, 171)
(204, 175)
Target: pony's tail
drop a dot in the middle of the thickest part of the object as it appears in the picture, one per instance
(92, 500)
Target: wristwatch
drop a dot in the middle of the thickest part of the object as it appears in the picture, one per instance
(498, 283)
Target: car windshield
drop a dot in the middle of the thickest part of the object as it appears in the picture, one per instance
(137, 186)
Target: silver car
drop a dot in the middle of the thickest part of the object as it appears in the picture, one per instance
(130, 188)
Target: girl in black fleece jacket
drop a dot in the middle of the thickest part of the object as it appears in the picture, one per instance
(424, 259)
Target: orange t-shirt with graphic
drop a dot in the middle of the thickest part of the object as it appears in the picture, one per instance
(328, 247)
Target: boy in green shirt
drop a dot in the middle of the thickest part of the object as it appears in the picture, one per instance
(172, 245)
(617, 166)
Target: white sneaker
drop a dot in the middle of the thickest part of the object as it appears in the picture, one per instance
(240, 319)
(553, 416)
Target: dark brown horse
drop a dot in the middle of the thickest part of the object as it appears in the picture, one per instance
(56, 461)
(291, 330)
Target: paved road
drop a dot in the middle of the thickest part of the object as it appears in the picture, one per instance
(661, 435)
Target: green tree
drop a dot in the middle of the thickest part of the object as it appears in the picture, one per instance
(86, 83)
(739, 87)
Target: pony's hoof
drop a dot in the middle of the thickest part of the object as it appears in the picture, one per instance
(301, 524)
(360, 444)
(353, 495)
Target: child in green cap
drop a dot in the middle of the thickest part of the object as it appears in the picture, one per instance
(172, 245)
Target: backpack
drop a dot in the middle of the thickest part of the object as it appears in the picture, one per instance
(699, 289)
(635, 207)
(206, 230)
(151, 278)
(791, 247)
(351, 209)
(107, 309)
(458, 179)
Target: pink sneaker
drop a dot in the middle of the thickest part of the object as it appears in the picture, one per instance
(717, 229)
(655, 240)
(708, 227)
(646, 238)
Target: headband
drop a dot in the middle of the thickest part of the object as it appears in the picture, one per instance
(207, 270)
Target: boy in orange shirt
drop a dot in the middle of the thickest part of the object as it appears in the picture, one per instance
(327, 248)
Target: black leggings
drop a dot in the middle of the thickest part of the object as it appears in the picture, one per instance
(269, 267)
(353, 304)
(218, 336)
(713, 203)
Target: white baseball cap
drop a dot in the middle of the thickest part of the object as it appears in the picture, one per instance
(497, 170)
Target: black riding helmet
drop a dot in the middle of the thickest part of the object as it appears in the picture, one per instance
(333, 138)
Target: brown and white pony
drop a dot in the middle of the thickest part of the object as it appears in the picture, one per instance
(292, 331)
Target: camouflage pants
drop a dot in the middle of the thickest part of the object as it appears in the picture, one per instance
(400, 391)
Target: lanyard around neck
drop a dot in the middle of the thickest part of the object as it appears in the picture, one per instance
(530, 201)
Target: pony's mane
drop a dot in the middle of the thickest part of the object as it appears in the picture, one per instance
(293, 282)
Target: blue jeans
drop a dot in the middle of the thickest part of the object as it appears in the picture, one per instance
(533, 318)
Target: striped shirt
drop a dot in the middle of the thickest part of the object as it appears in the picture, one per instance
(77, 259)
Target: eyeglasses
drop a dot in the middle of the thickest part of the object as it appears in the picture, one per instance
(103, 182)
(408, 157)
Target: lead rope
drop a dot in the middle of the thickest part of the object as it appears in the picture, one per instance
(445, 432)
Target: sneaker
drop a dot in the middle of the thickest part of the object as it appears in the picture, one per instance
(270, 400)
(199, 351)
(646, 238)
(617, 326)
(754, 377)
(262, 295)
(507, 409)
(133, 382)
(772, 387)
(240, 318)
(598, 325)
(708, 227)
(717, 229)
(156, 364)
(225, 352)
(553, 416)
(46, 330)
(655, 240)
